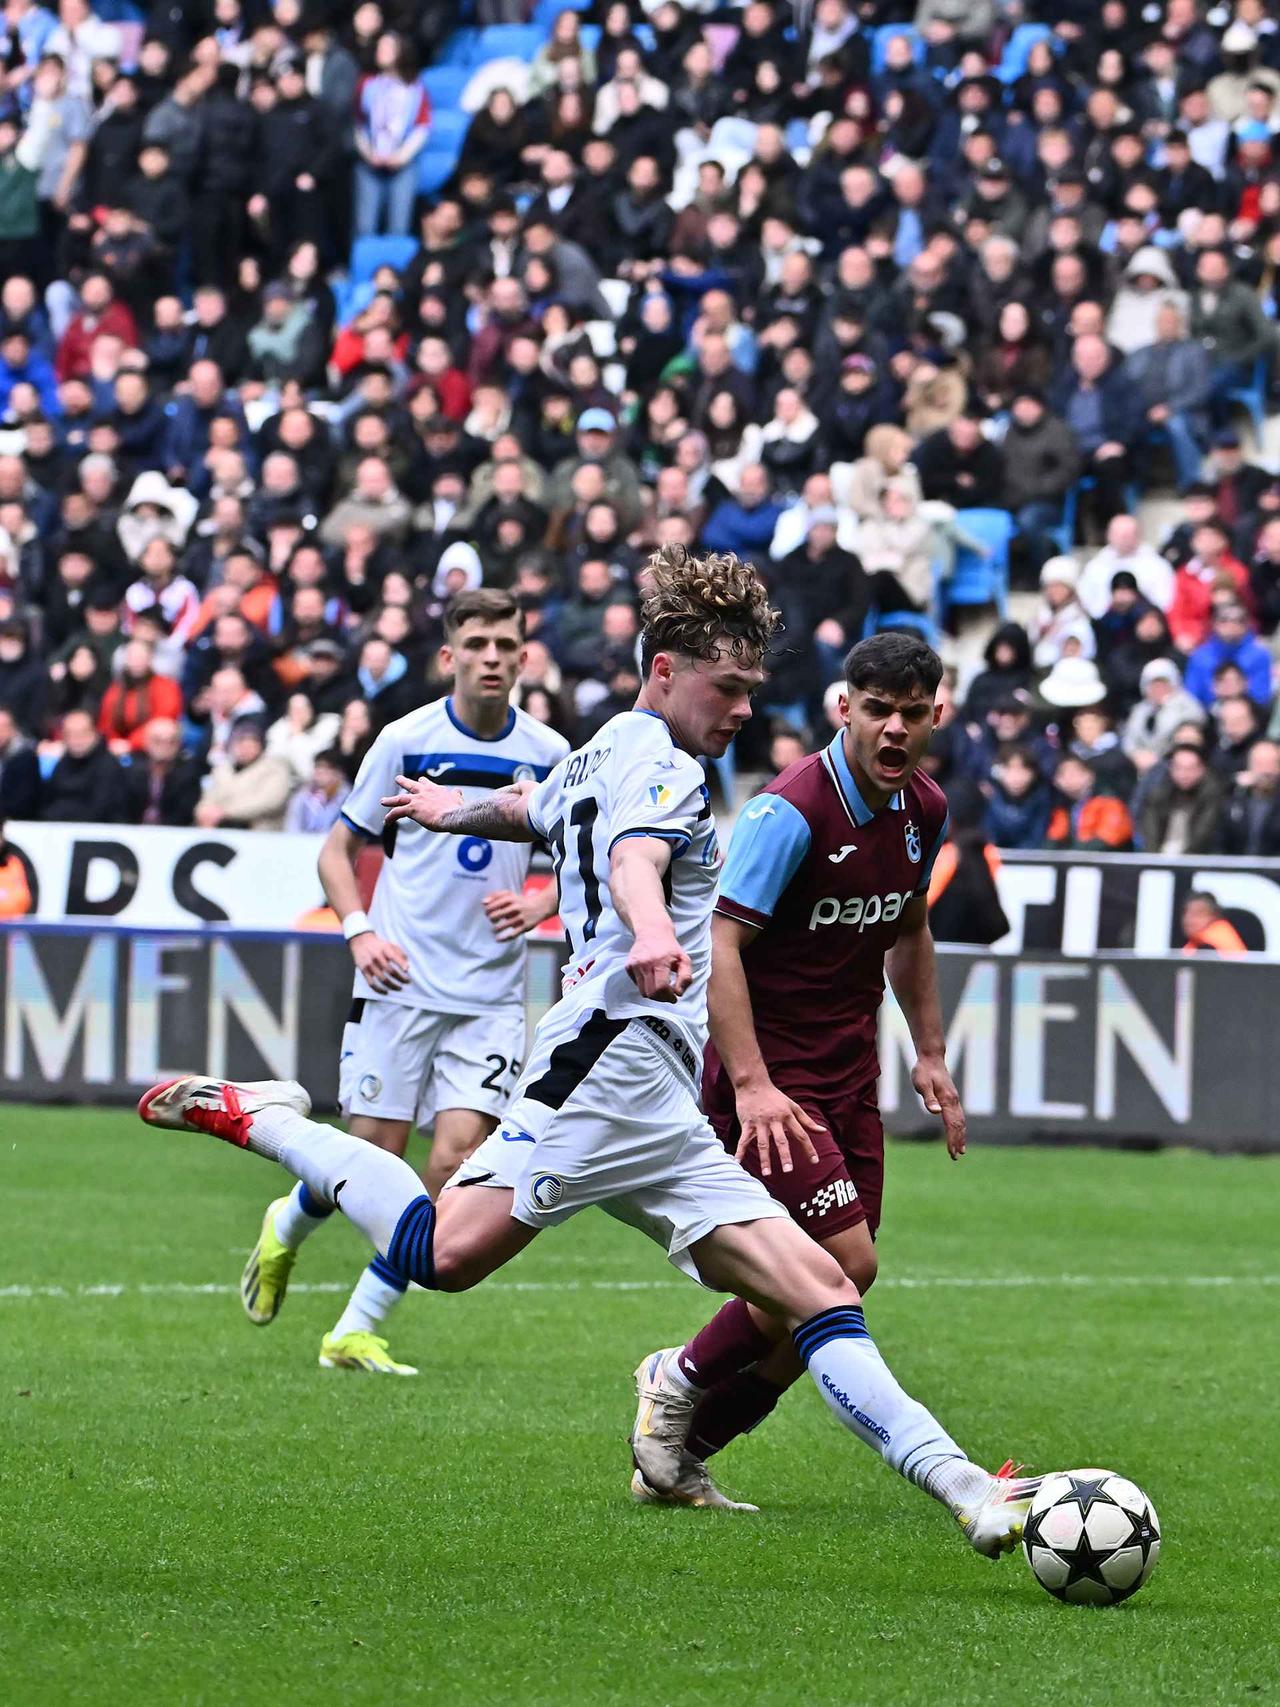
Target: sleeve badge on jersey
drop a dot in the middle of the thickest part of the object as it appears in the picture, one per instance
(659, 793)
(911, 831)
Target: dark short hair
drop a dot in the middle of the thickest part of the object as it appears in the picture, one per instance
(895, 662)
(480, 604)
(1205, 896)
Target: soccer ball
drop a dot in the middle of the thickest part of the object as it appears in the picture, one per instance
(1091, 1537)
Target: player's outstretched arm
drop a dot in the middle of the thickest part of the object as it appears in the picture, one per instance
(769, 1119)
(656, 965)
(503, 817)
(913, 972)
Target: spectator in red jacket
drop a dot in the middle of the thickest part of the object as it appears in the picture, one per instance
(1211, 566)
(136, 696)
(99, 312)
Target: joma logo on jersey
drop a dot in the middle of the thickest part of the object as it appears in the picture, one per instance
(858, 910)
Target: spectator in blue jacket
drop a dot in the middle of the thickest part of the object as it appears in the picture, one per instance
(189, 419)
(1019, 801)
(1230, 642)
(21, 363)
(1103, 408)
(745, 524)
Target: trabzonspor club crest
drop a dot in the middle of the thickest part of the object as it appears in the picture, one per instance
(912, 834)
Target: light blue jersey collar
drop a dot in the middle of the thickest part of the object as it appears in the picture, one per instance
(838, 766)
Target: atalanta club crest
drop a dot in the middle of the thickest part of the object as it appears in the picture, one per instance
(912, 834)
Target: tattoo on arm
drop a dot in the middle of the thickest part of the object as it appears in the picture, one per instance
(502, 818)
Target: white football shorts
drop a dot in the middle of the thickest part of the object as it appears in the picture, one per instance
(610, 1118)
(405, 1063)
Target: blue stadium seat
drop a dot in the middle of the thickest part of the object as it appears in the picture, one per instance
(444, 84)
(589, 35)
(881, 42)
(1017, 50)
(1253, 397)
(370, 253)
(435, 167)
(1064, 535)
(459, 50)
(448, 128)
(980, 578)
(546, 12)
(918, 622)
(509, 41)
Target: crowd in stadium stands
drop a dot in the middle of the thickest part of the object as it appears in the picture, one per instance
(824, 288)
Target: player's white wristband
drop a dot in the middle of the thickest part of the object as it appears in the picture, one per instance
(355, 924)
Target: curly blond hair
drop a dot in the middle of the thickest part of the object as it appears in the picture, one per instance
(704, 607)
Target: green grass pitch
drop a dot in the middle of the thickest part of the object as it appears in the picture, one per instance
(193, 1513)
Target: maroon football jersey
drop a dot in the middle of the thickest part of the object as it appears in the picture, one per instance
(826, 880)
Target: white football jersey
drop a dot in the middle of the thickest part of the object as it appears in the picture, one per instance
(630, 780)
(429, 893)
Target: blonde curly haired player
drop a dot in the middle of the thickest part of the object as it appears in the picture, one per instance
(606, 1111)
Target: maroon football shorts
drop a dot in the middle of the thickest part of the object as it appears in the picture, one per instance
(845, 1185)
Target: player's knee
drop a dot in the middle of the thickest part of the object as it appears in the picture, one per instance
(862, 1269)
(453, 1265)
(824, 1284)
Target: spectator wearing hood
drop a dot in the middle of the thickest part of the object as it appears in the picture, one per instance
(1164, 707)
(1008, 668)
(1059, 627)
(1242, 70)
(1150, 284)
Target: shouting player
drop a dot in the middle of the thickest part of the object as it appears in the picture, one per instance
(823, 890)
(606, 1110)
(437, 1026)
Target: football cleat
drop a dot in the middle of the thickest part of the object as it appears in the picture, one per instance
(266, 1274)
(362, 1351)
(695, 1488)
(664, 1412)
(218, 1106)
(993, 1525)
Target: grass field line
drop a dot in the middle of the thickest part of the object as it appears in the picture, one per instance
(21, 1293)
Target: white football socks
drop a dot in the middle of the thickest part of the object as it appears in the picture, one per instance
(372, 1187)
(861, 1390)
(292, 1222)
(369, 1305)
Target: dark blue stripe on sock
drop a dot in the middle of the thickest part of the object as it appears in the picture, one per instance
(316, 1207)
(388, 1275)
(845, 1322)
(409, 1253)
